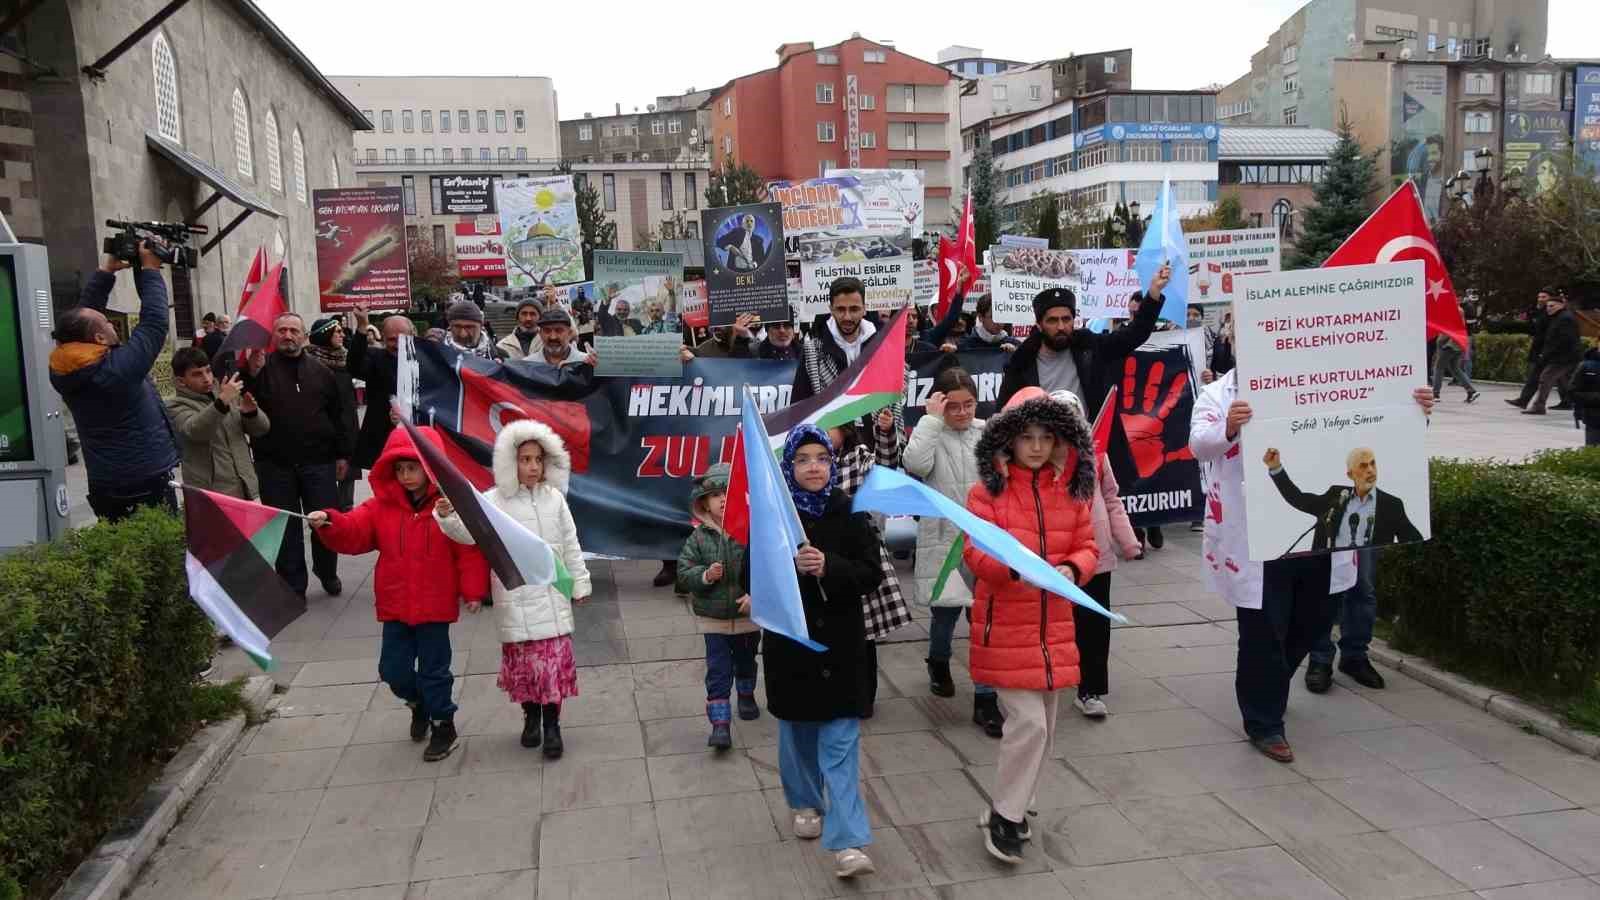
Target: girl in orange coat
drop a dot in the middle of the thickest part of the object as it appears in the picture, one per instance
(1036, 469)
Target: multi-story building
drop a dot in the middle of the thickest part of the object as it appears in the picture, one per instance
(1273, 171)
(673, 129)
(1291, 79)
(1024, 88)
(204, 113)
(453, 120)
(969, 62)
(855, 104)
(1106, 148)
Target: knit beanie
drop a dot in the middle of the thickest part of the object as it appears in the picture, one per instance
(464, 311)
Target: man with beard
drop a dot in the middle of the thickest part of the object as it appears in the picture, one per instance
(523, 339)
(378, 368)
(558, 342)
(1060, 356)
(836, 340)
(467, 333)
(780, 342)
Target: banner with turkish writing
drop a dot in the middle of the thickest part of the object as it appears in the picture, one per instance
(1158, 476)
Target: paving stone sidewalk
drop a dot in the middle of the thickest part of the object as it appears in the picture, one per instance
(1398, 793)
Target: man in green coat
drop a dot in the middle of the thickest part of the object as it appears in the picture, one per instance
(212, 420)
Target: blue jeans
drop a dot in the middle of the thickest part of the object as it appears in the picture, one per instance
(941, 631)
(1360, 611)
(414, 661)
(731, 658)
(822, 759)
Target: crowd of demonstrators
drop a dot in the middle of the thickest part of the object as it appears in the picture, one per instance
(1554, 355)
(129, 447)
(376, 363)
(418, 585)
(468, 331)
(302, 460)
(326, 344)
(712, 570)
(985, 333)
(537, 667)
(213, 420)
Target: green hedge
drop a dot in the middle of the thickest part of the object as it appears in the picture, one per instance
(99, 644)
(1507, 589)
(1500, 357)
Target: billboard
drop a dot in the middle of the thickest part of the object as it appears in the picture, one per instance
(480, 253)
(1536, 130)
(467, 195)
(1216, 258)
(361, 248)
(539, 218)
(1586, 118)
(1417, 124)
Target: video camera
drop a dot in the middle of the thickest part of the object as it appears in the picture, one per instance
(169, 241)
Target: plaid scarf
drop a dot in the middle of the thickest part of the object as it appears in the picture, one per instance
(884, 610)
(332, 357)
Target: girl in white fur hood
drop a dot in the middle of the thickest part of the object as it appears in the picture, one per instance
(537, 669)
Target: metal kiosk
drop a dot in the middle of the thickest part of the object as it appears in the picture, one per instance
(33, 440)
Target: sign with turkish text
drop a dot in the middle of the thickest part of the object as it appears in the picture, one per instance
(1217, 258)
(745, 270)
(1586, 118)
(361, 248)
(851, 201)
(463, 194)
(479, 253)
(638, 289)
(1018, 274)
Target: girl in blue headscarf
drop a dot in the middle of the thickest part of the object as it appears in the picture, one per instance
(814, 695)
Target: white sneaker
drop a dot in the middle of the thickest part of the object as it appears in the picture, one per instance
(1091, 706)
(852, 862)
(807, 824)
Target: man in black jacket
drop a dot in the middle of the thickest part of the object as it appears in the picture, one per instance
(377, 367)
(837, 340)
(1352, 515)
(1059, 356)
(1563, 350)
(302, 459)
(1539, 323)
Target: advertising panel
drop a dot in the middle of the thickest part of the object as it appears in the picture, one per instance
(1586, 118)
(361, 248)
(468, 195)
(480, 253)
(1536, 130)
(1418, 119)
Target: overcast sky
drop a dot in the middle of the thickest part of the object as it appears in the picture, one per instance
(599, 55)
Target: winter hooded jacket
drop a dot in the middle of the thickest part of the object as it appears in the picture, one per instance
(422, 576)
(533, 612)
(945, 460)
(215, 454)
(1113, 531)
(1022, 636)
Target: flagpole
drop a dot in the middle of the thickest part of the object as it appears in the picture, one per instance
(287, 512)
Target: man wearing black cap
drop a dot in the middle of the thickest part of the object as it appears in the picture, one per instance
(523, 340)
(557, 341)
(465, 321)
(1058, 356)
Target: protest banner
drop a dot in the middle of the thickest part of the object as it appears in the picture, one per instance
(645, 355)
(1328, 361)
(468, 195)
(807, 305)
(539, 219)
(852, 201)
(635, 443)
(1218, 258)
(1158, 477)
(480, 253)
(361, 248)
(692, 304)
(883, 264)
(744, 262)
(638, 291)
(1106, 282)
(1018, 274)
(925, 282)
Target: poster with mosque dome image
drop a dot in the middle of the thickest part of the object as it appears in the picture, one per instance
(539, 224)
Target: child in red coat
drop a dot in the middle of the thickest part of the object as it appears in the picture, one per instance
(418, 585)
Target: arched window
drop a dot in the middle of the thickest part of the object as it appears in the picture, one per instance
(333, 171)
(269, 130)
(168, 123)
(297, 148)
(1283, 217)
(241, 135)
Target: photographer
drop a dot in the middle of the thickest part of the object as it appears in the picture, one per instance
(129, 449)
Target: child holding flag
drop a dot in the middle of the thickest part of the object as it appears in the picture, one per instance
(711, 570)
(537, 668)
(418, 584)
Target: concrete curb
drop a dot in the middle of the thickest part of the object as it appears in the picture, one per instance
(109, 870)
(1504, 707)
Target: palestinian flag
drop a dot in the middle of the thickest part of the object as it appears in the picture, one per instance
(876, 379)
(516, 555)
(233, 545)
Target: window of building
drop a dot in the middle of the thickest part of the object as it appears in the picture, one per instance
(691, 195)
(408, 196)
(1141, 151)
(427, 154)
(522, 154)
(1283, 217)
(1433, 43)
(727, 146)
(500, 121)
(438, 240)
(1291, 52)
(823, 166)
(727, 105)
(1111, 65)
(910, 136)
(241, 136)
(411, 155)
(166, 86)
(502, 154)
(1478, 123)
(372, 155)
(674, 126)
(869, 140)
(1538, 82)
(367, 114)
(466, 154)
(1291, 84)
(867, 101)
(483, 121)
(909, 97)
(447, 154)
(1478, 83)
(333, 171)
(444, 121)
(825, 132)
(411, 236)
(1035, 92)
(666, 190)
(483, 154)
(827, 58)
(1451, 48)
(388, 121)
(427, 121)
(824, 92)
(585, 132)
(1291, 115)
(297, 152)
(997, 92)
(1188, 151)
(407, 121)
(874, 56)
(391, 155)
(657, 127)
(519, 121)
(608, 191)
(463, 124)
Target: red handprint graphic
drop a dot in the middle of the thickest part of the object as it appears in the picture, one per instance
(1214, 507)
(1144, 419)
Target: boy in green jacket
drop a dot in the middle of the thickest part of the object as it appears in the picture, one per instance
(711, 570)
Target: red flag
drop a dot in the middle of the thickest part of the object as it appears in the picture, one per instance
(1398, 230)
(1102, 423)
(963, 250)
(258, 268)
(488, 403)
(253, 331)
(736, 513)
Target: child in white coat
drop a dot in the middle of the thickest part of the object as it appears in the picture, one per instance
(537, 669)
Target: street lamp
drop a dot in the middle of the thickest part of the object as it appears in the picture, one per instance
(1483, 161)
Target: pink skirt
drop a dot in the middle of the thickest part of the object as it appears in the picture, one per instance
(538, 671)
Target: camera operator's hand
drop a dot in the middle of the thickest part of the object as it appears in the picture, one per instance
(112, 264)
(147, 256)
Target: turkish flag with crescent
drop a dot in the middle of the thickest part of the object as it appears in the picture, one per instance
(487, 403)
(963, 250)
(1398, 230)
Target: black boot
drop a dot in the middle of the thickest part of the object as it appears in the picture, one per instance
(667, 575)
(531, 714)
(986, 715)
(552, 731)
(419, 723)
(443, 742)
(939, 682)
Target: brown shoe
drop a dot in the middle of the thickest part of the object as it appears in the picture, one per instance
(1274, 747)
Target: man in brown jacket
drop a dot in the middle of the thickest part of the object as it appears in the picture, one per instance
(212, 420)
